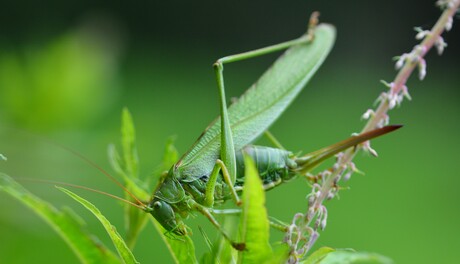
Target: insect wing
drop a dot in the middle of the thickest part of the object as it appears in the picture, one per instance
(261, 104)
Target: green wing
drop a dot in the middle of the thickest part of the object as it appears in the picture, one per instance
(261, 104)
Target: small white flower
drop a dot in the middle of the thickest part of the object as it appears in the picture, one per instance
(401, 60)
(310, 213)
(367, 147)
(443, 4)
(347, 176)
(421, 33)
(405, 92)
(393, 100)
(323, 224)
(449, 23)
(368, 114)
(421, 69)
(440, 45)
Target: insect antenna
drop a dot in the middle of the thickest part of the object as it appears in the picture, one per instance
(83, 158)
(100, 169)
(143, 207)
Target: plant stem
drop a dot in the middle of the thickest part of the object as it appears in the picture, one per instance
(379, 118)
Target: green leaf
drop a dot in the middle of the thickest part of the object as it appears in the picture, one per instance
(170, 155)
(128, 142)
(221, 250)
(127, 167)
(64, 222)
(132, 184)
(351, 257)
(317, 256)
(280, 255)
(2, 157)
(181, 248)
(254, 221)
(117, 240)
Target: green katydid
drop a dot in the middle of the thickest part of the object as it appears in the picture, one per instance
(212, 171)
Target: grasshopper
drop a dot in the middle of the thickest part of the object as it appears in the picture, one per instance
(212, 171)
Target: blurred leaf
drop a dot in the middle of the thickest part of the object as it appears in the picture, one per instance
(220, 250)
(132, 184)
(181, 248)
(254, 220)
(117, 240)
(128, 142)
(69, 80)
(317, 256)
(2, 157)
(280, 255)
(127, 168)
(351, 257)
(170, 155)
(64, 222)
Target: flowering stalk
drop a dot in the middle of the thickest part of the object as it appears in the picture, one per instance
(303, 231)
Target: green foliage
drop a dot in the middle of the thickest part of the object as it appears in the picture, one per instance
(182, 249)
(123, 250)
(64, 222)
(66, 81)
(352, 257)
(317, 256)
(326, 255)
(126, 166)
(254, 221)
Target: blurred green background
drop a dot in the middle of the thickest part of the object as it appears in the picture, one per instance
(68, 67)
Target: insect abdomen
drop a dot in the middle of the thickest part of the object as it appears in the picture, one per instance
(274, 165)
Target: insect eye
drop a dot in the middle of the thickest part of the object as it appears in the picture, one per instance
(157, 205)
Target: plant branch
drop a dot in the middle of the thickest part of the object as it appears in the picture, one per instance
(303, 231)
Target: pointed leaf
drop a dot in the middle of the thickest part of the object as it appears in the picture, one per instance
(317, 256)
(64, 222)
(128, 142)
(127, 167)
(254, 220)
(132, 184)
(181, 248)
(350, 257)
(117, 240)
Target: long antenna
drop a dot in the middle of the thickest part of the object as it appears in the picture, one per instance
(85, 159)
(90, 162)
(83, 188)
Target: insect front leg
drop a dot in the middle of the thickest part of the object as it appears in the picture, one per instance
(203, 210)
(274, 223)
(211, 185)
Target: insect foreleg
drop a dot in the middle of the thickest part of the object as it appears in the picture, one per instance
(203, 210)
(211, 185)
(274, 223)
